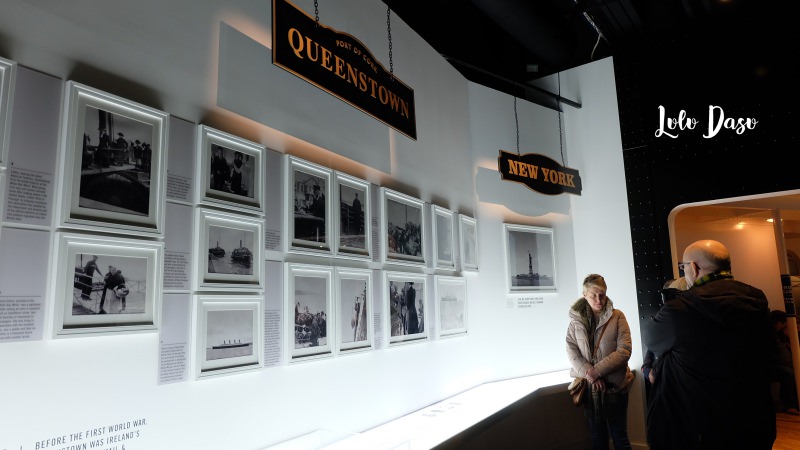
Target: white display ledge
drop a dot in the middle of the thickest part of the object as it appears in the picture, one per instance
(435, 424)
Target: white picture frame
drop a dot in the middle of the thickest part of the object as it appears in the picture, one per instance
(308, 207)
(89, 299)
(8, 75)
(352, 214)
(309, 311)
(403, 237)
(443, 237)
(400, 324)
(231, 170)
(229, 251)
(107, 183)
(468, 233)
(530, 258)
(228, 334)
(354, 309)
(452, 306)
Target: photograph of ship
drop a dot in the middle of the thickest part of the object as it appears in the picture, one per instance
(444, 238)
(232, 171)
(452, 306)
(404, 229)
(309, 207)
(229, 250)
(354, 310)
(115, 163)
(107, 284)
(352, 220)
(406, 307)
(229, 333)
(531, 260)
(310, 312)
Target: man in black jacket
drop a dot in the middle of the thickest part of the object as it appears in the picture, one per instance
(714, 351)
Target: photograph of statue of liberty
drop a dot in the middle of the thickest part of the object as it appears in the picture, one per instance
(531, 258)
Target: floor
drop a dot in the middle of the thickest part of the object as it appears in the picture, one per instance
(788, 432)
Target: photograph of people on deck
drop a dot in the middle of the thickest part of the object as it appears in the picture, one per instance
(115, 163)
(310, 312)
(404, 229)
(107, 284)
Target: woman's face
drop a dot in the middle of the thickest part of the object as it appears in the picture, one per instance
(596, 297)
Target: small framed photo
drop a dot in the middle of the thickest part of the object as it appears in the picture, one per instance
(106, 285)
(468, 231)
(228, 334)
(8, 70)
(231, 170)
(405, 301)
(530, 263)
(309, 294)
(113, 162)
(443, 241)
(229, 251)
(451, 298)
(309, 224)
(354, 308)
(352, 217)
(403, 233)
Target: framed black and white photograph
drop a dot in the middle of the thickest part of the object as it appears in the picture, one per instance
(309, 202)
(231, 170)
(403, 233)
(229, 251)
(106, 285)
(451, 311)
(8, 70)
(406, 303)
(468, 232)
(530, 262)
(309, 303)
(352, 217)
(112, 162)
(228, 334)
(443, 238)
(354, 309)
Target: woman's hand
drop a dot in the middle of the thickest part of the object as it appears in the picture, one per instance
(599, 385)
(592, 375)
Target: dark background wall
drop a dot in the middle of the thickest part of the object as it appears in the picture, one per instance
(741, 63)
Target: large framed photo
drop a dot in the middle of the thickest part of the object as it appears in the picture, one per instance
(106, 285)
(228, 334)
(354, 309)
(530, 263)
(443, 237)
(231, 170)
(451, 298)
(405, 301)
(229, 251)
(113, 155)
(309, 294)
(309, 224)
(403, 233)
(468, 232)
(352, 217)
(8, 71)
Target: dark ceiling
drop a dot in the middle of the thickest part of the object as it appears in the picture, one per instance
(507, 44)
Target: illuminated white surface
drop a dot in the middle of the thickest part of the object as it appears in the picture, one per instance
(431, 426)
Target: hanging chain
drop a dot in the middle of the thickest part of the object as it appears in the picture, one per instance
(560, 138)
(316, 12)
(389, 28)
(516, 120)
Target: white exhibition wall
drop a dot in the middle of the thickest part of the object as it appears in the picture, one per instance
(170, 55)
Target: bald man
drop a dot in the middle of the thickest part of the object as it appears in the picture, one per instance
(714, 351)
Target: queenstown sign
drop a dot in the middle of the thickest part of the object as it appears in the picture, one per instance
(341, 65)
(539, 173)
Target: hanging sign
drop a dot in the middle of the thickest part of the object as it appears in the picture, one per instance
(539, 173)
(340, 65)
